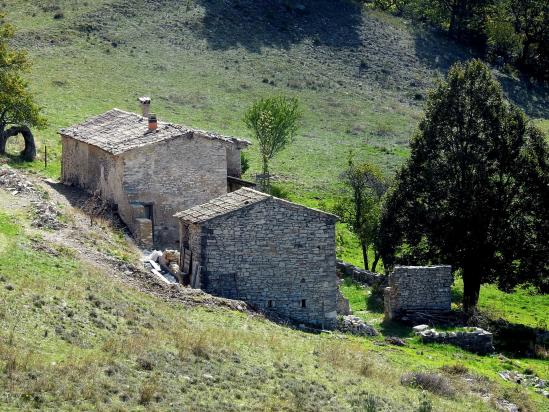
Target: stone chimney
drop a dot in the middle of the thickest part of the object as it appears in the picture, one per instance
(145, 103)
(152, 122)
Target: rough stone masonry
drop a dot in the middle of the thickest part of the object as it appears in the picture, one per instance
(418, 289)
(273, 254)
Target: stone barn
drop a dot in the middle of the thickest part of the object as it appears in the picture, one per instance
(148, 169)
(271, 253)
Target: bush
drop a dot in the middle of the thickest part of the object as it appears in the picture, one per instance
(278, 191)
(431, 382)
(244, 162)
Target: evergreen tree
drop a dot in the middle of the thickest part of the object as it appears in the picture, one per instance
(475, 191)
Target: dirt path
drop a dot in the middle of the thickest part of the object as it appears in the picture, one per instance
(60, 217)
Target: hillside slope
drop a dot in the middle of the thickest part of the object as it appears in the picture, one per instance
(82, 327)
(360, 75)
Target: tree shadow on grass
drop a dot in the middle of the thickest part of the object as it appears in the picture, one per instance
(279, 24)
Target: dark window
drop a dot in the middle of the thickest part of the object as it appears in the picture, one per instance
(148, 211)
(270, 304)
(303, 303)
(302, 280)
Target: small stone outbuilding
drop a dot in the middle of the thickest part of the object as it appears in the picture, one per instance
(271, 253)
(149, 169)
(425, 289)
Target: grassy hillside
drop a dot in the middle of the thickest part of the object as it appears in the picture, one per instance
(77, 335)
(361, 75)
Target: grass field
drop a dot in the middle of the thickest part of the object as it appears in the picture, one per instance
(72, 337)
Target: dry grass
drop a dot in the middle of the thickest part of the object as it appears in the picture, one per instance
(431, 382)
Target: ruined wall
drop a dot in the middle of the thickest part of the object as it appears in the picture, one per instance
(275, 255)
(173, 175)
(418, 288)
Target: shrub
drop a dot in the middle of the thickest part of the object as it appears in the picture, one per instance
(431, 382)
(457, 369)
(278, 191)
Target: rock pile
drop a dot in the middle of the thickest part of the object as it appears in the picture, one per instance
(46, 215)
(14, 182)
(355, 326)
(471, 339)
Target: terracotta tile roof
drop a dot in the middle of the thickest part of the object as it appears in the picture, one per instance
(232, 202)
(117, 131)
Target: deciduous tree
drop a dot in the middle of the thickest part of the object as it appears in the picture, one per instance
(359, 207)
(274, 122)
(18, 111)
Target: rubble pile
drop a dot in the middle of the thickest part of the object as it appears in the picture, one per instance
(355, 326)
(46, 215)
(14, 182)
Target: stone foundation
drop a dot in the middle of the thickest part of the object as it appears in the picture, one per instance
(472, 339)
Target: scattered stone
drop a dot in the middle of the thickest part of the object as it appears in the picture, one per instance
(524, 379)
(9, 286)
(46, 216)
(14, 181)
(355, 326)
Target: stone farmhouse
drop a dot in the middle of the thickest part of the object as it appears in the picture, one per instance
(274, 254)
(148, 169)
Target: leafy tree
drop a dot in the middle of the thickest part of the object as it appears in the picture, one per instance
(274, 122)
(531, 21)
(18, 111)
(475, 191)
(359, 208)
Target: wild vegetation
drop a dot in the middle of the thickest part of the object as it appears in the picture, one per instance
(509, 33)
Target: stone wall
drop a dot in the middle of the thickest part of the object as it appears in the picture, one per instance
(173, 175)
(275, 255)
(472, 339)
(361, 276)
(92, 169)
(418, 288)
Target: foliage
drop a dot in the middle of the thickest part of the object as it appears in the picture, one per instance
(474, 192)
(17, 106)
(505, 31)
(244, 162)
(359, 206)
(274, 122)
